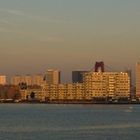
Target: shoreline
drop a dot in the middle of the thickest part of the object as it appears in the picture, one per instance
(74, 103)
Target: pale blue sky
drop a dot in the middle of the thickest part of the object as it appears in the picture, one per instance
(36, 35)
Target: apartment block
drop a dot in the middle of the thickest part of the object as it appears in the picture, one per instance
(112, 85)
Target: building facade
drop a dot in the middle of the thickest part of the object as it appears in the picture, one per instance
(138, 80)
(38, 79)
(108, 85)
(53, 77)
(3, 80)
(28, 79)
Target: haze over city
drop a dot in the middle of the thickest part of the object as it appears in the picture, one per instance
(36, 35)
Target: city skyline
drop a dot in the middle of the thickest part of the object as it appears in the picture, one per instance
(68, 35)
(69, 69)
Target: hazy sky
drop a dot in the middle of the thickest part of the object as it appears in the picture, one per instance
(36, 35)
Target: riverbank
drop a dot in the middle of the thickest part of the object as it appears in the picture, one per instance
(66, 102)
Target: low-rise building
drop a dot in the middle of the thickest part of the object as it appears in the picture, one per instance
(28, 79)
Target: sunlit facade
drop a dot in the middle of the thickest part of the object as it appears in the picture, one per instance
(112, 85)
(28, 79)
(108, 85)
(3, 80)
(138, 80)
(53, 77)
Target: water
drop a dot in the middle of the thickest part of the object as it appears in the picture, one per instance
(69, 122)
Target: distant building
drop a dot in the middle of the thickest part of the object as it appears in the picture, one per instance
(138, 80)
(9, 92)
(15, 80)
(109, 86)
(3, 80)
(77, 76)
(129, 72)
(38, 79)
(28, 79)
(53, 77)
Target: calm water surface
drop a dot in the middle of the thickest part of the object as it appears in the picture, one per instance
(69, 122)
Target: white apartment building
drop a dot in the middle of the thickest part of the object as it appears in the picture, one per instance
(107, 84)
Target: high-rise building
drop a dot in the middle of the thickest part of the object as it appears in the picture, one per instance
(77, 76)
(53, 77)
(2, 80)
(138, 80)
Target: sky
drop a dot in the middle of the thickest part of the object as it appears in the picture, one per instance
(36, 35)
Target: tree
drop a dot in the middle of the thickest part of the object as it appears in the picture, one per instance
(23, 85)
(32, 95)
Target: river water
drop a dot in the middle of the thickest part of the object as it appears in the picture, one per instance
(69, 122)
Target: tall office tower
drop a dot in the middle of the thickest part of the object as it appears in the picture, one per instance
(77, 76)
(138, 80)
(38, 79)
(2, 80)
(53, 77)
